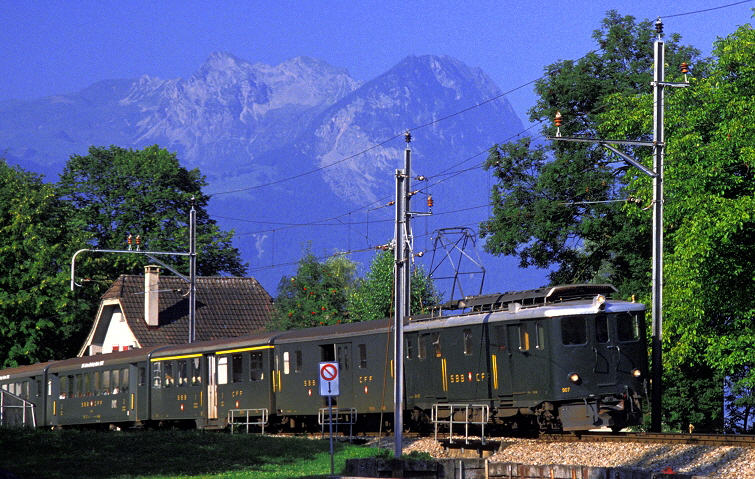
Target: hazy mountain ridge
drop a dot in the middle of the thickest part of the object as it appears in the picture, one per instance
(248, 124)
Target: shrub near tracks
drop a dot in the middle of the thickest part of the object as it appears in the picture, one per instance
(71, 454)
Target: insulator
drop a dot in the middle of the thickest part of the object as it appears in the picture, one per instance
(421, 178)
(430, 201)
(128, 240)
(138, 239)
(685, 68)
(659, 26)
(408, 137)
(558, 118)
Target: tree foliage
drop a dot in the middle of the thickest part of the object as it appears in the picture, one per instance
(709, 210)
(555, 205)
(38, 318)
(117, 192)
(317, 295)
(373, 296)
(101, 198)
(329, 292)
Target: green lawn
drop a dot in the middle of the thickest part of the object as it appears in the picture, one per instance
(69, 454)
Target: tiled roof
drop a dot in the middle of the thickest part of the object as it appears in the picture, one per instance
(225, 307)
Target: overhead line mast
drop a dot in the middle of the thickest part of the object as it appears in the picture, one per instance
(656, 173)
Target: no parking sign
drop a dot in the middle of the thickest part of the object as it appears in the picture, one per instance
(329, 379)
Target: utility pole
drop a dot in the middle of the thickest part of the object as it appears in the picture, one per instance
(402, 288)
(192, 254)
(656, 173)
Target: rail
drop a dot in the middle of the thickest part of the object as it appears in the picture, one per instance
(251, 417)
(475, 414)
(348, 414)
(16, 411)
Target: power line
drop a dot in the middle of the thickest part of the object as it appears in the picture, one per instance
(706, 9)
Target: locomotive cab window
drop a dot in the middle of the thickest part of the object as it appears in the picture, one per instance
(628, 327)
(539, 336)
(573, 330)
(410, 346)
(601, 328)
(467, 341)
(524, 338)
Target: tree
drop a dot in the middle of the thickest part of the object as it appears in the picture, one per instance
(373, 296)
(38, 319)
(709, 211)
(561, 204)
(118, 192)
(316, 295)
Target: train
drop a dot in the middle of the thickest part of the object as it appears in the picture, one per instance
(562, 358)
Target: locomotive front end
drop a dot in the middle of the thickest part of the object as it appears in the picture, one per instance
(600, 366)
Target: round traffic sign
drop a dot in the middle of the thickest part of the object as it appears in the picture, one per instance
(329, 372)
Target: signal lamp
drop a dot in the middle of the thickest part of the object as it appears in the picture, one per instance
(574, 377)
(636, 373)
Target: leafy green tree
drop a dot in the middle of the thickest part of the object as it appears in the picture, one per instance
(373, 296)
(316, 295)
(709, 210)
(560, 205)
(118, 192)
(38, 232)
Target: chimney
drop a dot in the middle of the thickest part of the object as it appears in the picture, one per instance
(151, 295)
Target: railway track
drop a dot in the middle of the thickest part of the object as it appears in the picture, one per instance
(736, 440)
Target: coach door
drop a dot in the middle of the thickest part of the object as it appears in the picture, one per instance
(212, 386)
(341, 353)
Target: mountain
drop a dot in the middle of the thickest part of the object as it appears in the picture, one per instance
(323, 143)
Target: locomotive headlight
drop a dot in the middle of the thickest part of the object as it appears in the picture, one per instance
(574, 377)
(636, 373)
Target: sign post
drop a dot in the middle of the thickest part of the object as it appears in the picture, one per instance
(329, 386)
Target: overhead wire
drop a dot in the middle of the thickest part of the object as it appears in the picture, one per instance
(447, 172)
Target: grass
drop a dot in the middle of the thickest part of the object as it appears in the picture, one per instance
(72, 454)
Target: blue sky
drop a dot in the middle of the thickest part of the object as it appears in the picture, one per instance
(62, 46)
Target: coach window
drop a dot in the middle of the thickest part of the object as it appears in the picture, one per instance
(255, 367)
(573, 330)
(142, 376)
(106, 382)
(196, 372)
(79, 385)
(286, 362)
(237, 368)
(223, 370)
(70, 386)
(539, 336)
(467, 341)
(436, 344)
(362, 356)
(115, 380)
(157, 374)
(63, 387)
(168, 375)
(182, 378)
(298, 361)
(601, 329)
(628, 327)
(39, 388)
(422, 350)
(97, 387)
(124, 381)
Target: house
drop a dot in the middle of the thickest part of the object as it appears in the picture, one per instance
(140, 311)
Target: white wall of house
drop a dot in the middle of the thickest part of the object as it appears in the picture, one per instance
(118, 334)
